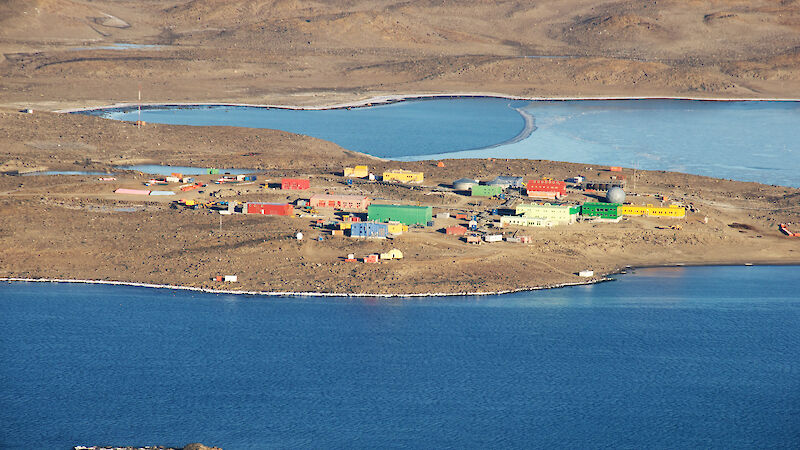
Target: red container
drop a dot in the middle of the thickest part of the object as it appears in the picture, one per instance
(615, 169)
(295, 183)
(271, 209)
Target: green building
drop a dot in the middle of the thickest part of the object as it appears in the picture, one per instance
(601, 210)
(479, 190)
(406, 214)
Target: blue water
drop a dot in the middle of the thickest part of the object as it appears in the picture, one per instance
(155, 169)
(749, 141)
(391, 131)
(666, 358)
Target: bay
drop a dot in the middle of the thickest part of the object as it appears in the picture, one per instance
(662, 358)
(745, 140)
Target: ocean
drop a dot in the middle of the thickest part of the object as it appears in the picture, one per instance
(684, 357)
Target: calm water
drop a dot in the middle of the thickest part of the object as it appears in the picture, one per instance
(750, 141)
(666, 358)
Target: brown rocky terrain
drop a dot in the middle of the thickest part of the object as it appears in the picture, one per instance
(310, 53)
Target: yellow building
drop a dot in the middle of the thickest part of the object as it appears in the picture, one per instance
(396, 228)
(356, 172)
(652, 211)
(403, 176)
(392, 254)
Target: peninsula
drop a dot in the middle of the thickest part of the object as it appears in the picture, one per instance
(63, 54)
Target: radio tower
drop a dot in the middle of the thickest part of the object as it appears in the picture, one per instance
(139, 121)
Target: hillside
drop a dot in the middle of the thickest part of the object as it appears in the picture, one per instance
(56, 52)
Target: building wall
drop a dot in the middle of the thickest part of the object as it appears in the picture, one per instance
(555, 213)
(558, 187)
(295, 183)
(406, 214)
(485, 191)
(403, 176)
(356, 172)
(602, 210)
(368, 229)
(349, 202)
(269, 209)
(652, 211)
(522, 221)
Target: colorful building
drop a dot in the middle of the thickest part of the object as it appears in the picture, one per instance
(368, 229)
(403, 176)
(392, 254)
(397, 228)
(356, 172)
(271, 209)
(295, 183)
(456, 230)
(652, 211)
(349, 202)
(478, 190)
(522, 221)
(550, 189)
(600, 210)
(558, 214)
(407, 214)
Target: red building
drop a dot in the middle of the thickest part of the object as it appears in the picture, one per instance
(295, 183)
(270, 209)
(457, 230)
(546, 188)
(347, 202)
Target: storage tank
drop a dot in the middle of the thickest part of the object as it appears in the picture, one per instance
(464, 184)
(615, 195)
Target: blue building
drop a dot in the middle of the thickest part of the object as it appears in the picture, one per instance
(368, 229)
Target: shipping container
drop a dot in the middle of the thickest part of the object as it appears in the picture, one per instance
(273, 209)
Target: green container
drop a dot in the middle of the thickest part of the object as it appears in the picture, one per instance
(212, 171)
(486, 191)
(601, 210)
(405, 214)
